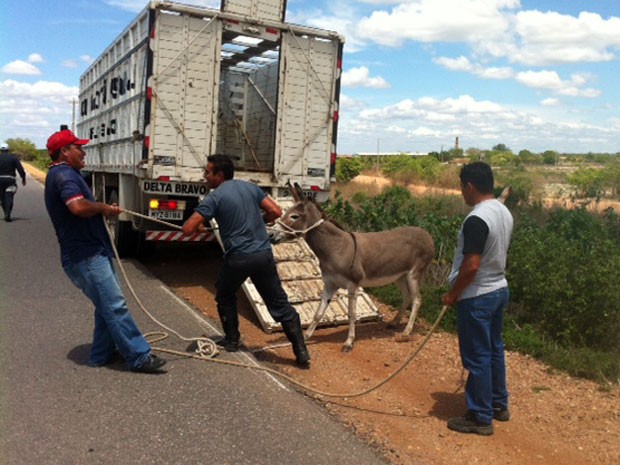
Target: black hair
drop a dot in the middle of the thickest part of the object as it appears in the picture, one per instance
(222, 163)
(480, 175)
(54, 156)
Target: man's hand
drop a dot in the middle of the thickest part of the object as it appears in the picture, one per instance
(449, 299)
(111, 210)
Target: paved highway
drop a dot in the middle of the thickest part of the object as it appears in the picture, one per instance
(54, 409)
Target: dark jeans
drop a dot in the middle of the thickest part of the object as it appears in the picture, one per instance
(479, 322)
(6, 198)
(261, 269)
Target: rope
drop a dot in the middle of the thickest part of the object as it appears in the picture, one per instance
(207, 349)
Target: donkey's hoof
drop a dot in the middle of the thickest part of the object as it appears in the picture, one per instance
(347, 348)
(402, 337)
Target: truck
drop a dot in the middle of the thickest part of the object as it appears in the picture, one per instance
(183, 82)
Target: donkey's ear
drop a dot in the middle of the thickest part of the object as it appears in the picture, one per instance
(297, 192)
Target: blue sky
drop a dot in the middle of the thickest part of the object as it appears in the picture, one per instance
(537, 75)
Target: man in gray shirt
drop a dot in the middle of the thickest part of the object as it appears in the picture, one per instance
(479, 290)
(237, 207)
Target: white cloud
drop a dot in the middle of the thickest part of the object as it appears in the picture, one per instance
(551, 80)
(493, 28)
(550, 102)
(34, 111)
(21, 67)
(35, 58)
(550, 38)
(438, 20)
(360, 77)
(463, 64)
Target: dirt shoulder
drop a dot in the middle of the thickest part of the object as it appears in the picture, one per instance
(34, 172)
(556, 419)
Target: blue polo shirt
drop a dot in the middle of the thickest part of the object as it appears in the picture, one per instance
(79, 238)
(235, 205)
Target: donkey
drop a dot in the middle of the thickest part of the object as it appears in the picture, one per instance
(350, 260)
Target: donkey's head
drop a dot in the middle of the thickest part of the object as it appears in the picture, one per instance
(303, 216)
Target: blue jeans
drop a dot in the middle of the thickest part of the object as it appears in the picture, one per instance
(261, 268)
(479, 321)
(114, 325)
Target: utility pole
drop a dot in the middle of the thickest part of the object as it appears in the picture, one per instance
(73, 102)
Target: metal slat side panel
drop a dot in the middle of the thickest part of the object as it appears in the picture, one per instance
(186, 73)
(306, 104)
(256, 9)
(111, 101)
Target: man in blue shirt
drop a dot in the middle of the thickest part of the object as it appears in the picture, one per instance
(479, 290)
(237, 206)
(86, 256)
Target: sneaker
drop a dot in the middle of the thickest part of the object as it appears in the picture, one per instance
(226, 344)
(469, 424)
(153, 364)
(501, 414)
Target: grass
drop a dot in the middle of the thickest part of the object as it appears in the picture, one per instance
(603, 367)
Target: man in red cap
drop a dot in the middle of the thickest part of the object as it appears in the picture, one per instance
(86, 255)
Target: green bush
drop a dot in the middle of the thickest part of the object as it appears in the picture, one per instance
(348, 168)
(562, 270)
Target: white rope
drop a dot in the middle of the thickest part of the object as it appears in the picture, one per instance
(205, 347)
(299, 232)
(210, 348)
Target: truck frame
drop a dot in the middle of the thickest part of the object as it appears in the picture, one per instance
(183, 82)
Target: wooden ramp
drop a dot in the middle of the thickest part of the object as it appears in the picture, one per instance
(299, 271)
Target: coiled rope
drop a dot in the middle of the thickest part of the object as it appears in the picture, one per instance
(207, 349)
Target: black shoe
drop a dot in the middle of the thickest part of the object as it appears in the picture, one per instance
(501, 414)
(469, 424)
(294, 333)
(227, 344)
(153, 364)
(7, 219)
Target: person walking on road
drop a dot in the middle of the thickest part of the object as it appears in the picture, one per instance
(479, 289)
(241, 210)
(86, 256)
(9, 165)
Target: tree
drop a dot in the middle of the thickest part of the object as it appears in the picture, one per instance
(550, 157)
(501, 148)
(23, 149)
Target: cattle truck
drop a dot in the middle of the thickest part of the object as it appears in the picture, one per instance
(182, 82)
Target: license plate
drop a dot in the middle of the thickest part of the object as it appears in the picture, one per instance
(172, 215)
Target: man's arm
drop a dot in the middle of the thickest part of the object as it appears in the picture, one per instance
(193, 223)
(271, 208)
(467, 273)
(84, 208)
(20, 170)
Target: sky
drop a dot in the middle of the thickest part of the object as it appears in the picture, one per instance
(417, 74)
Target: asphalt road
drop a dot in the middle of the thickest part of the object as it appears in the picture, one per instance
(54, 409)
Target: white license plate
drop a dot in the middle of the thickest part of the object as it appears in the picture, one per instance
(172, 215)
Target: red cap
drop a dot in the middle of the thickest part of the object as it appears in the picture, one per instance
(63, 138)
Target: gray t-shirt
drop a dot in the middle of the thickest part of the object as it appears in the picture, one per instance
(491, 274)
(235, 205)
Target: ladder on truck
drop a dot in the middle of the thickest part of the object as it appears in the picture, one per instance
(300, 274)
